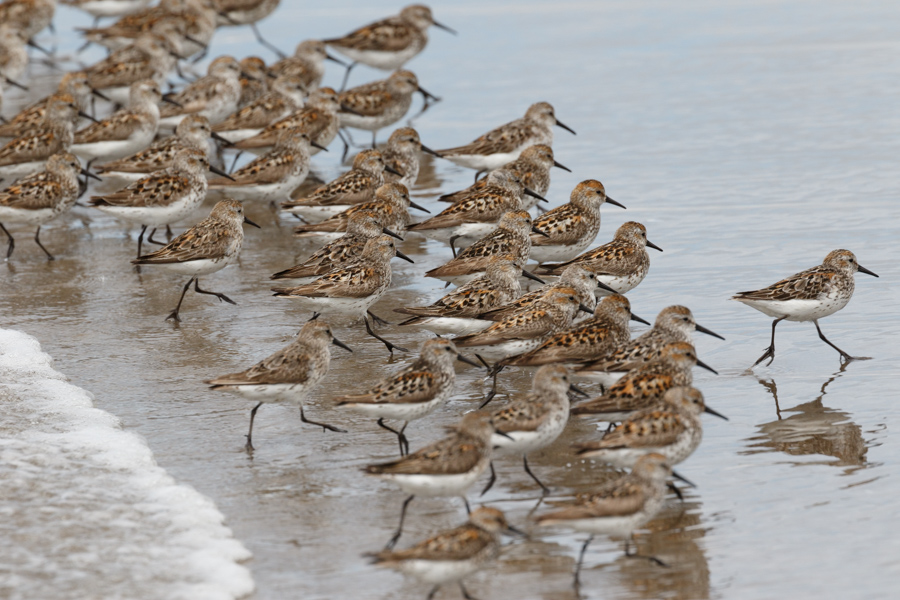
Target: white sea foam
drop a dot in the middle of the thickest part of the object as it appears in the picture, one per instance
(85, 511)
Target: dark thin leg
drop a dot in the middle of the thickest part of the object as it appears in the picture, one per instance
(433, 592)
(347, 75)
(378, 320)
(174, 313)
(468, 508)
(545, 489)
(770, 351)
(465, 592)
(393, 541)
(453, 239)
(221, 297)
(478, 174)
(630, 554)
(262, 41)
(141, 239)
(324, 426)
(169, 233)
(346, 146)
(493, 392)
(490, 482)
(822, 337)
(374, 145)
(12, 242)
(401, 438)
(388, 344)
(150, 239)
(249, 445)
(37, 240)
(576, 583)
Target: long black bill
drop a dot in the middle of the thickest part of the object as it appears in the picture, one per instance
(516, 531)
(634, 317)
(585, 309)
(387, 231)
(347, 109)
(539, 232)
(219, 138)
(219, 171)
(561, 166)
(468, 361)
(503, 434)
(428, 150)
(249, 222)
(707, 409)
(683, 479)
(534, 194)
(405, 257)
(614, 202)
(654, 246)
(862, 269)
(100, 95)
(87, 173)
(566, 127)
(444, 27)
(194, 40)
(532, 276)
(428, 94)
(700, 363)
(340, 344)
(38, 47)
(579, 391)
(168, 100)
(603, 286)
(315, 144)
(84, 115)
(417, 207)
(393, 171)
(336, 60)
(703, 329)
(15, 84)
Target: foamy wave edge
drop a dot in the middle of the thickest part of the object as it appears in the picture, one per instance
(208, 552)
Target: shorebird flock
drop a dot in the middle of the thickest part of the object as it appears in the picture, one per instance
(160, 149)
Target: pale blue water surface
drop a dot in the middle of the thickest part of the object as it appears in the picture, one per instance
(751, 138)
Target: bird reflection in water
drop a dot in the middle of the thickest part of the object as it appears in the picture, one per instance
(811, 429)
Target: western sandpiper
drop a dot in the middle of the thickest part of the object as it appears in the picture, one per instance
(672, 429)
(402, 156)
(192, 133)
(390, 205)
(512, 237)
(207, 247)
(41, 197)
(569, 229)
(352, 289)
(474, 217)
(448, 467)
(533, 421)
(527, 329)
(27, 153)
(214, 96)
(246, 12)
(124, 132)
(808, 296)
(162, 198)
(377, 105)
(621, 264)
(618, 507)
(13, 55)
(150, 57)
(27, 17)
(356, 186)
(74, 84)
(413, 392)
(457, 312)
(284, 98)
(505, 143)
(673, 324)
(287, 376)
(307, 64)
(645, 385)
(532, 168)
(388, 44)
(272, 176)
(361, 227)
(599, 335)
(451, 556)
(318, 118)
(254, 80)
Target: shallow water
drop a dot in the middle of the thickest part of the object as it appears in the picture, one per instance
(750, 138)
